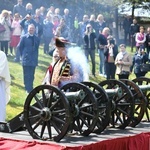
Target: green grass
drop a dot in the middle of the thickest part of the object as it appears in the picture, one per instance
(18, 95)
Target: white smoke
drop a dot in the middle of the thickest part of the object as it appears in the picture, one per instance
(76, 55)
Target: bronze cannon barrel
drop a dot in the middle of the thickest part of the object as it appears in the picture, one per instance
(144, 87)
(117, 91)
(75, 95)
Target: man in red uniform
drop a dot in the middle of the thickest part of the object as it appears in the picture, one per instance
(65, 70)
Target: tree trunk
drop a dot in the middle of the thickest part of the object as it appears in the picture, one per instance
(133, 7)
(116, 28)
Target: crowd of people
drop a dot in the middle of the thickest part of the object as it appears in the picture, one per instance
(136, 34)
(26, 29)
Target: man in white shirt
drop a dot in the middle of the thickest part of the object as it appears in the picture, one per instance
(4, 85)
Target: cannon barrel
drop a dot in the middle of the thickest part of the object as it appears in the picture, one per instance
(117, 91)
(75, 95)
(144, 87)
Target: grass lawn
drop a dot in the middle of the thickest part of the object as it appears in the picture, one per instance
(18, 95)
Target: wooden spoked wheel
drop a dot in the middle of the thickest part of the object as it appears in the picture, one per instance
(145, 82)
(104, 106)
(84, 108)
(140, 102)
(47, 113)
(122, 103)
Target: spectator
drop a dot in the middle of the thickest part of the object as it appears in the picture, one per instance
(5, 36)
(11, 30)
(126, 26)
(19, 8)
(51, 11)
(47, 32)
(37, 13)
(102, 43)
(25, 22)
(39, 26)
(29, 9)
(93, 22)
(50, 68)
(140, 57)
(100, 24)
(76, 35)
(64, 30)
(133, 30)
(57, 13)
(123, 63)
(16, 33)
(110, 53)
(42, 14)
(147, 43)
(4, 85)
(89, 46)
(68, 19)
(82, 28)
(28, 47)
(140, 38)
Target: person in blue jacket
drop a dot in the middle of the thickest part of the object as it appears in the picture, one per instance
(140, 57)
(28, 46)
(47, 33)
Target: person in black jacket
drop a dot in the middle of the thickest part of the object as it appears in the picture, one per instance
(89, 46)
(19, 8)
(101, 45)
(134, 28)
(139, 58)
(126, 26)
(110, 54)
(147, 42)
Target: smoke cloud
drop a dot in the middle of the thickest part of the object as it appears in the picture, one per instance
(77, 57)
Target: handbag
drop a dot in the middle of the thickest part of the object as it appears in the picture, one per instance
(124, 72)
(2, 28)
(145, 67)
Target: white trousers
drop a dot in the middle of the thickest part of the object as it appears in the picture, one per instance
(2, 101)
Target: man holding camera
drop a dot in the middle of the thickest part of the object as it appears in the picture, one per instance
(25, 22)
(89, 45)
(110, 53)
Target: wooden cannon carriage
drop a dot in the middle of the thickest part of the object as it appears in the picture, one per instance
(50, 113)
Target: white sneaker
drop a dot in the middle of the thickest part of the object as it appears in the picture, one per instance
(101, 74)
(104, 76)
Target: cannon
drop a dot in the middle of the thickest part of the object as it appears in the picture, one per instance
(144, 84)
(122, 102)
(51, 113)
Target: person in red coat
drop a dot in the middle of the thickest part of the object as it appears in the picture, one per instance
(50, 68)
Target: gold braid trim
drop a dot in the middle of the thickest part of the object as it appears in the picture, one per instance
(65, 71)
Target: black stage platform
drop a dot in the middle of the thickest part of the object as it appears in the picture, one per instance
(137, 138)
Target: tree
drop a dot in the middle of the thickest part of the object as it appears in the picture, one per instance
(135, 4)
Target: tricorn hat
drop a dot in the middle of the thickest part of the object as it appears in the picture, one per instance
(61, 42)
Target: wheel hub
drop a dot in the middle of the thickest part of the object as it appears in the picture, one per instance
(46, 114)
